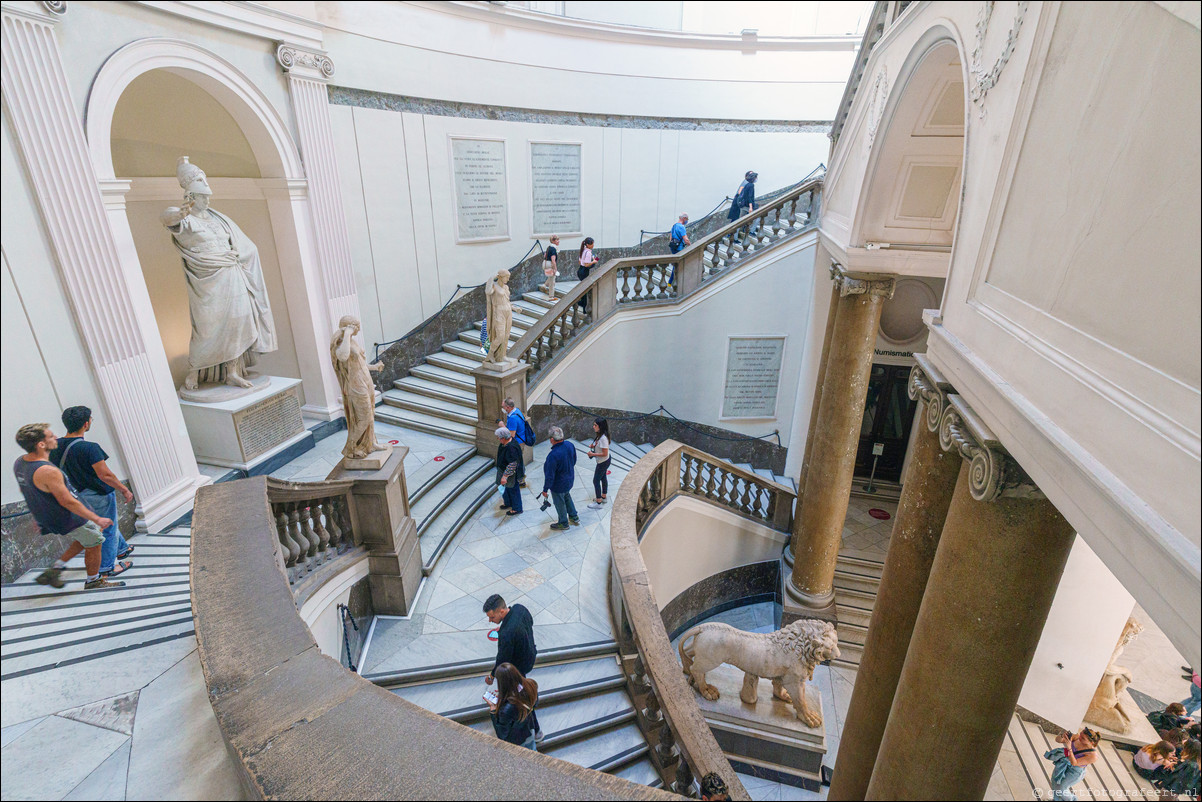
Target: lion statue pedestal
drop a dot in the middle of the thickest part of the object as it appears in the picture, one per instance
(779, 730)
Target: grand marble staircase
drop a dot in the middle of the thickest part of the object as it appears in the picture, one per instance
(857, 579)
(439, 396)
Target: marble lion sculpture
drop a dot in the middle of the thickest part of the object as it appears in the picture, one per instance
(787, 657)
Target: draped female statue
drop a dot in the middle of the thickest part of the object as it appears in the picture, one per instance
(231, 316)
(358, 393)
(500, 317)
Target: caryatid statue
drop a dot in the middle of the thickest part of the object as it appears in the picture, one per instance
(231, 316)
(500, 317)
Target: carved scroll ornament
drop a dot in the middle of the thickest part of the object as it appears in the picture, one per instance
(927, 384)
(292, 57)
(992, 472)
(861, 283)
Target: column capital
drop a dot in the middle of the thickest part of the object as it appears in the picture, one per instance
(992, 473)
(47, 11)
(848, 283)
(928, 384)
(300, 62)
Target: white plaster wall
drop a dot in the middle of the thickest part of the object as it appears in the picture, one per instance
(46, 368)
(398, 191)
(676, 356)
(715, 540)
(320, 611)
(1085, 622)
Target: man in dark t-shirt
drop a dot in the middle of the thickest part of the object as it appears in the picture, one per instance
(515, 641)
(85, 465)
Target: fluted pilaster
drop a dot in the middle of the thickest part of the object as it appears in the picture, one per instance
(131, 372)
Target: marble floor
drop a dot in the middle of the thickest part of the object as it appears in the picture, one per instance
(864, 535)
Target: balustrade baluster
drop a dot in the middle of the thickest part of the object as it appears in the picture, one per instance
(290, 546)
(323, 537)
(653, 715)
(337, 542)
(306, 525)
(666, 749)
(751, 492)
(684, 780)
(711, 480)
(773, 500)
(302, 564)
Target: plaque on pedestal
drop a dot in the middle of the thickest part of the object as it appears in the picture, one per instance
(245, 432)
(766, 739)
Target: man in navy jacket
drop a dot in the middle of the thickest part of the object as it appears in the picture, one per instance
(515, 641)
(559, 472)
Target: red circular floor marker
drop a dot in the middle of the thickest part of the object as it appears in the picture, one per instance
(492, 634)
(879, 514)
(439, 458)
(394, 442)
(607, 473)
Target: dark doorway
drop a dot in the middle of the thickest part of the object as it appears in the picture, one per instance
(888, 413)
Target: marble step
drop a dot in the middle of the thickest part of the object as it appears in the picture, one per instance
(137, 579)
(440, 375)
(642, 771)
(428, 476)
(458, 348)
(582, 447)
(645, 447)
(447, 410)
(859, 565)
(458, 698)
(57, 627)
(568, 717)
(427, 508)
(851, 580)
(626, 452)
(81, 634)
(1028, 774)
(852, 633)
(467, 668)
(17, 623)
(419, 421)
(558, 736)
(69, 652)
(538, 299)
(432, 389)
(472, 337)
(849, 655)
(861, 600)
(529, 310)
(455, 362)
(441, 531)
(606, 751)
(856, 616)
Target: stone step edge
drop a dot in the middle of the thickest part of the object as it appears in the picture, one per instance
(466, 482)
(444, 471)
(458, 524)
(468, 668)
(467, 715)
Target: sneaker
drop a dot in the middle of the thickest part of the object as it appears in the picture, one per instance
(514, 512)
(51, 577)
(101, 583)
(595, 506)
(574, 521)
(503, 507)
(538, 737)
(558, 527)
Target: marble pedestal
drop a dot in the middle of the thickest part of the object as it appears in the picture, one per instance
(766, 739)
(245, 432)
(383, 525)
(495, 383)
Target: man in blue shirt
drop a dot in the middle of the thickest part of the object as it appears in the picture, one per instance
(86, 467)
(516, 423)
(679, 236)
(559, 472)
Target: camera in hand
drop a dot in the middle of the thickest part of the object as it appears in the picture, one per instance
(546, 503)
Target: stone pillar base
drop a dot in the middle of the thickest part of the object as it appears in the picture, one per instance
(796, 604)
(492, 388)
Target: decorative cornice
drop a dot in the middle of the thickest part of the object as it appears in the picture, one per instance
(56, 7)
(927, 384)
(313, 64)
(982, 80)
(862, 283)
(992, 472)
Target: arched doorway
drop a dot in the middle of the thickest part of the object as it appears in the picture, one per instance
(909, 204)
(157, 99)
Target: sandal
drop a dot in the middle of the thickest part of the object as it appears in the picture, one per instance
(123, 554)
(120, 568)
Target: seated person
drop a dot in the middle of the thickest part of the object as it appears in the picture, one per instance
(1170, 718)
(1154, 760)
(1183, 777)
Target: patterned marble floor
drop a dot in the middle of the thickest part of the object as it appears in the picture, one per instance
(865, 535)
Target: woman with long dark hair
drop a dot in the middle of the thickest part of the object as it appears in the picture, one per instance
(512, 712)
(588, 261)
(599, 451)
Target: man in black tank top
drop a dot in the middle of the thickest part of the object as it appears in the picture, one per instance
(56, 509)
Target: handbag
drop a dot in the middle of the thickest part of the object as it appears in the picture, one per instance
(549, 268)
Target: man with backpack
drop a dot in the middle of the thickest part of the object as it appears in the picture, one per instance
(523, 432)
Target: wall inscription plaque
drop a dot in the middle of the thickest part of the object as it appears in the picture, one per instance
(264, 425)
(555, 186)
(752, 376)
(481, 193)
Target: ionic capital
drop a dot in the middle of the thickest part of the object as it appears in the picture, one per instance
(992, 472)
(927, 384)
(312, 64)
(56, 7)
(862, 283)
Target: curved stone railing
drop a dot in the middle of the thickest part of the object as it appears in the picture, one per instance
(665, 278)
(668, 714)
(300, 726)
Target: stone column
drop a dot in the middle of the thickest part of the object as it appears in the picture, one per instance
(818, 526)
(1000, 558)
(921, 513)
(115, 322)
(308, 73)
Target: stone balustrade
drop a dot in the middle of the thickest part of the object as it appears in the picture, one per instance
(282, 706)
(313, 521)
(665, 278)
(684, 747)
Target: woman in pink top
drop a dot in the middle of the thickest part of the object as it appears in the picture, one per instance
(1153, 758)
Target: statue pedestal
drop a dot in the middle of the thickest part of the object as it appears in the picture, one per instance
(494, 384)
(372, 462)
(247, 431)
(766, 739)
(383, 525)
